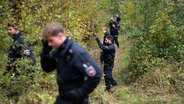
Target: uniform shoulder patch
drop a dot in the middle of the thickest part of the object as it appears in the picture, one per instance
(26, 52)
(90, 70)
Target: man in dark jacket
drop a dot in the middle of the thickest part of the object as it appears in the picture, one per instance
(109, 54)
(106, 33)
(118, 19)
(18, 49)
(77, 73)
(114, 31)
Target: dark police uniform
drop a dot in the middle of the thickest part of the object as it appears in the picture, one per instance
(77, 73)
(105, 34)
(118, 19)
(101, 53)
(19, 49)
(109, 54)
(114, 32)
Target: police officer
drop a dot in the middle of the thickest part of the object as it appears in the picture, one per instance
(110, 23)
(77, 73)
(106, 33)
(118, 19)
(18, 49)
(109, 54)
(114, 31)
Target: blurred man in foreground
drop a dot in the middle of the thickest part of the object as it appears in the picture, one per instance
(77, 73)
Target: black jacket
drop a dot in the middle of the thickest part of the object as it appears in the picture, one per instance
(118, 19)
(114, 30)
(105, 34)
(108, 52)
(76, 71)
(20, 49)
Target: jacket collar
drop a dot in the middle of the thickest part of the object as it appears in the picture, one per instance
(61, 51)
(17, 36)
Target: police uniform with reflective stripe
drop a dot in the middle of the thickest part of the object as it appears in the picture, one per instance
(77, 73)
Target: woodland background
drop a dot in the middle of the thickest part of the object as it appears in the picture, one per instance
(149, 64)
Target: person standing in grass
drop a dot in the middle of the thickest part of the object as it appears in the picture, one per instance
(114, 31)
(109, 54)
(106, 33)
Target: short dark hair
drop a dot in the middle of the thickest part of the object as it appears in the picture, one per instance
(109, 37)
(14, 25)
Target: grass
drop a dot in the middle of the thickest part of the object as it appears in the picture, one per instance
(45, 89)
(128, 93)
(122, 93)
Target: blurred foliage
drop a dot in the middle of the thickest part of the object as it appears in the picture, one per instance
(155, 28)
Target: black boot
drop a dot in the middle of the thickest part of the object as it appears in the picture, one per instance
(108, 85)
(108, 88)
(114, 84)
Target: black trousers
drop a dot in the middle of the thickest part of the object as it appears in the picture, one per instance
(109, 80)
(62, 100)
(115, 39)
(101, 56)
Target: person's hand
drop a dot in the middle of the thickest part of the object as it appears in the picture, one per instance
(113, 25)
(46, 48)
(94, 34)
(98, 40)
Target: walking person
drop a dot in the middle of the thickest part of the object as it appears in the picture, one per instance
(77, 73)
(114, 31)
(19, 49)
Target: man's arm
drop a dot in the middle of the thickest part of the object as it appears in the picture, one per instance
(48, 64)
(103, 47)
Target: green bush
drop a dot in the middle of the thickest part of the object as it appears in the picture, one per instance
(77, 17)
(156, 55)
(156, 38)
